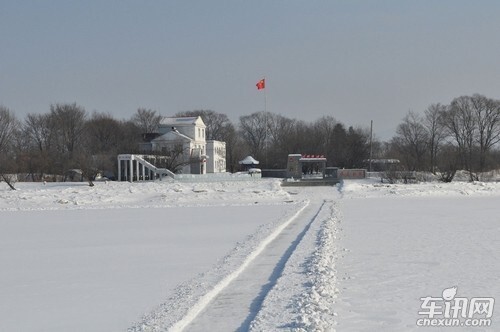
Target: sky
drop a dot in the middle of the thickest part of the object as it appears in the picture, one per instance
(354, 60)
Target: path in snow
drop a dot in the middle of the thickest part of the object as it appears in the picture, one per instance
(235, 306)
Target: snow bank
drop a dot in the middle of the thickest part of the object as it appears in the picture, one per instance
(106, 195)
(374, 188)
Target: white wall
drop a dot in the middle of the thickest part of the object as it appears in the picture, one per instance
(216, 152)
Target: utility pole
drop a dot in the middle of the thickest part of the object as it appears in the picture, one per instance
(371, 142)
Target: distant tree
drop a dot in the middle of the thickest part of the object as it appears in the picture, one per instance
(253, 131)
(460, 122)
(68, 125)
(280, 139)
(448, 160)
(87, 165)
(9, 126)
(104, 133)
(146, 120)
(433, 123)
(234, 149)
(339, 152)
(358, 148)
(411, 141)
(301, 138)
(131, 137)
(487, 118)
(36, 128)
(38, 136)
(323, 131)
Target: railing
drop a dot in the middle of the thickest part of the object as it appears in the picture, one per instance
(149, 171)
(156, 170)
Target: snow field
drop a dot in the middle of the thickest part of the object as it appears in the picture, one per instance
(95, 259)
(99, 267)
(400, 249)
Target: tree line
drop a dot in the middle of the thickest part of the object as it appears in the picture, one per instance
(462, 135)
(67, 137)
(443, 139)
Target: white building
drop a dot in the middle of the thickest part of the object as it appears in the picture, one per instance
(184, 139)
(216, 152)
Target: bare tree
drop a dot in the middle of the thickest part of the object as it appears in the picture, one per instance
(39, 140)
(253, 129)
(357, 147)
(68, 124)
(433, 123)
(280, 139)
(87, 164)
(8, 127)
(104, 134)
(175, 156)
(36, 128)
(323, 131)
(487, 118)
(447, 160)
(147, 120)
(8, 130)
(412, 141)
(460, 121)
(234, 150)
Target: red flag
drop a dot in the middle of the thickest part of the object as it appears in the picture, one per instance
(262, 84)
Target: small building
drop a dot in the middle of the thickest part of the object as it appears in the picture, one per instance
(249, 163)
(305, 165)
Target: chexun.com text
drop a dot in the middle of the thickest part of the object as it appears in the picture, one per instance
(445, 322)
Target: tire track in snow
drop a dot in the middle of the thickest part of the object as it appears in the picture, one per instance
(304, 295)
(205, 301)
(235, 306)
(277, 272)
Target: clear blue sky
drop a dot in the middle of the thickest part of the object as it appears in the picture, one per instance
(354, 60)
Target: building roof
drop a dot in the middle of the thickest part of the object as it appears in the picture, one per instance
(249, 161)
(182, 121)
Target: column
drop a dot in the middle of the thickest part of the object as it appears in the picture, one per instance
(131, 171)
(119, 169)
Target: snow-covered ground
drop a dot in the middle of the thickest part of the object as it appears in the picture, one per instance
(402, 243)
(171, 255)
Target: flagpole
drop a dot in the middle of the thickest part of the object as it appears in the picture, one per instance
(371, 142)
(262, 86)
(266, 124)
(265, 97)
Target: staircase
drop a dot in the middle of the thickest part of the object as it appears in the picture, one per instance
(133, 167)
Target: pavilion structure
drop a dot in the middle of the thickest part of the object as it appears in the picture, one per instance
(306, 166)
